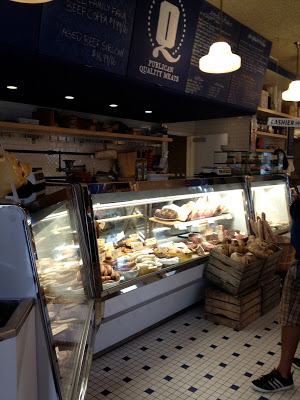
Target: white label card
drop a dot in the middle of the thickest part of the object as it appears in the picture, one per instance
(102, 256)
(57, 329)
(101, 242)
(120, 236)
(137, 246)
(109, 245)
(134, 236)
(116, 253)
(150, 241)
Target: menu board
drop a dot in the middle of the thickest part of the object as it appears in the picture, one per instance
(19, 24)
(162, 41)
(88, 32)
(247, 82)
(213, 86)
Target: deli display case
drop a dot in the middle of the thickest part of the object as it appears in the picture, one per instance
(154, 228)
(45, 255)
(271, 195)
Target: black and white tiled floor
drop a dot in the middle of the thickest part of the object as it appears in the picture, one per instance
(191, 358)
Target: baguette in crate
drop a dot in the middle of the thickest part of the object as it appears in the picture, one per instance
(232, 276)
(284, 251)
(270, 294)
(233, 311)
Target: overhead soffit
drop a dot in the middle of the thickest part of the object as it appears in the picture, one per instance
(276, 20)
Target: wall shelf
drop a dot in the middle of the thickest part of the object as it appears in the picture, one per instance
(53, 130)
(260, 133)
(275, 113)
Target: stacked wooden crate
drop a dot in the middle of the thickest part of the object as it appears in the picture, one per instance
(246, 292)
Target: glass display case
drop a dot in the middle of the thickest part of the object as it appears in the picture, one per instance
(54, 235)
(147, 232)
(249, 163)
(271, 195)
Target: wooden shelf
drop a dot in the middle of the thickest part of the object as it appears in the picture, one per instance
(53, 130)
(276, 113)
(274, 135)
(264, 150)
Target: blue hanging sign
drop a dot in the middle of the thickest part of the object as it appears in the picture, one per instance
(247, 82)
(213, 86)
(162, 42)
(88, 32)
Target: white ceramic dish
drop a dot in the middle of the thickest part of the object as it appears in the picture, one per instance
(110, 285)
(129, 274)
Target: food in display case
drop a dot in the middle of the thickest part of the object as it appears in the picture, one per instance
(64, 285)
(151, 230)
(272, 197)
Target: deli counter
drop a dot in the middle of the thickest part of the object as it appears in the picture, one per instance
(145, 232)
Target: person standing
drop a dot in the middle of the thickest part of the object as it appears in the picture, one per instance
(281, 378)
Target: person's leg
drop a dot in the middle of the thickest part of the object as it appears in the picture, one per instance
(290, 337)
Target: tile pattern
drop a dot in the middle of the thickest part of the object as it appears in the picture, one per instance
(218, 365)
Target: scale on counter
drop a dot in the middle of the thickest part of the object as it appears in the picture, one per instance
(220, 171)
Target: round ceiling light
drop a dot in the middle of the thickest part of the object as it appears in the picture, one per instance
(148, 112)
(69, 97)
(293, 92)
(31, 1)
(12, 87)
(219, 59)
(113, 105)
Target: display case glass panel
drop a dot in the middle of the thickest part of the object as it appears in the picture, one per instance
(146, 231)
(64, 284)
(272, 198)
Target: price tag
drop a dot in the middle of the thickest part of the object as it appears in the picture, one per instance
(150, 241)
(101, 242)
(134, 236)
(137, 246)
(109, 245)
(120, 236)
(220, 232)
(116, 253)
(102, 256)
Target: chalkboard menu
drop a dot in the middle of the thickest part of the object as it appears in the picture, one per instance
(19, 24)
(162, 41)
(214, 86)
(88, 32)
(247, 82)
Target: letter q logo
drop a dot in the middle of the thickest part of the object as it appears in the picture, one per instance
(167, 30)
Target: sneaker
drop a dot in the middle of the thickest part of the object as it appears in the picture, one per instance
(273, 382)
(296, 363)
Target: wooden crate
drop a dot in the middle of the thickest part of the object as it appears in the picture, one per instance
(270, 266)
(230, 275)
(233, 311)
(270, 294)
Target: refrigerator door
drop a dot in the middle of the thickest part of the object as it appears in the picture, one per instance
(272, 195)
(66, 289)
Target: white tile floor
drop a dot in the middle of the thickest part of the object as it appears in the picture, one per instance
(191, 358)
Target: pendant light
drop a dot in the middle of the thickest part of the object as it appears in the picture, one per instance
(293, 92)
(31, 1)
(220, 59)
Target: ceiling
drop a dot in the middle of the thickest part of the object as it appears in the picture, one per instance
(45, 82)
(276, 20)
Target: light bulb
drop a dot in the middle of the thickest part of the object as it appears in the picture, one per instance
(219, 59)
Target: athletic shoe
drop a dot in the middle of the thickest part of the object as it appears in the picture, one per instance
(296, 363)
(273, 382)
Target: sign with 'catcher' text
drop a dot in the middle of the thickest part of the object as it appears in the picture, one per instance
(293, 123)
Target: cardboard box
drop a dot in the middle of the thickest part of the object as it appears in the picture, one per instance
(263, 102)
